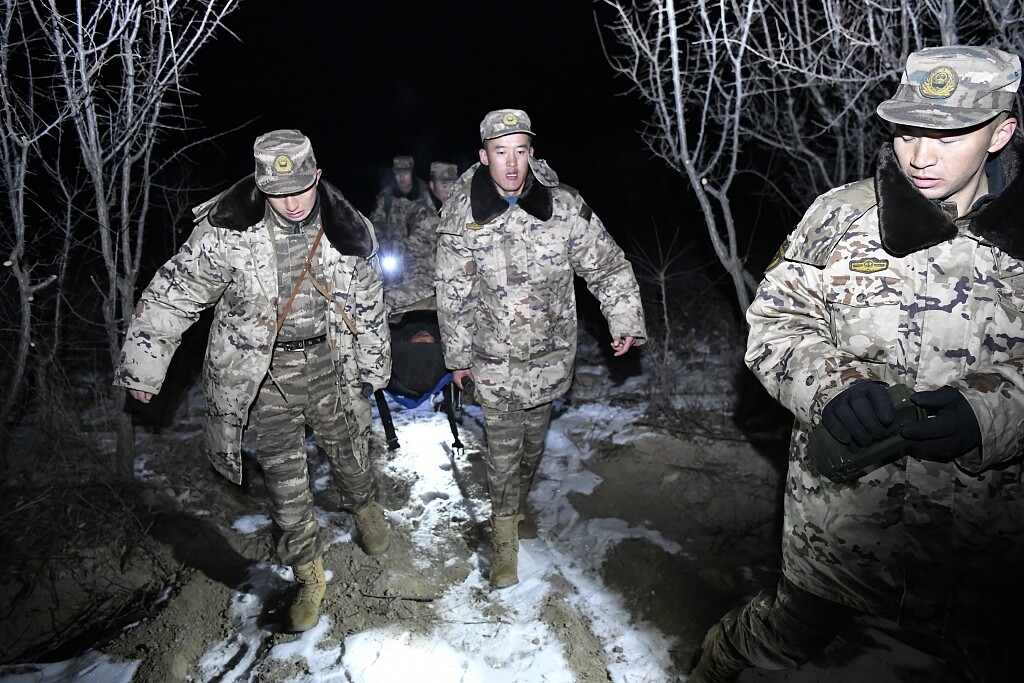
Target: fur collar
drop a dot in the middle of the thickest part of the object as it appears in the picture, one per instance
(242, 205)
(412, 195)
(909, 222)
(487, 204)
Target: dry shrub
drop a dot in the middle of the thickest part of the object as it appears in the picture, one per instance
(77, 563)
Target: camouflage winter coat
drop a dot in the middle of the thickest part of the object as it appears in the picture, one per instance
(504, 284)
(395, 216)
(229, 261)
(414, 289)
(891, 289)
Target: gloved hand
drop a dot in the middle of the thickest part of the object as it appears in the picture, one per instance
(950, 430)
(859, 414)
(367, 390)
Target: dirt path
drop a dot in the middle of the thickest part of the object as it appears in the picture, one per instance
(714, 500)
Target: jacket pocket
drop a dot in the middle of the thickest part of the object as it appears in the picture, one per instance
(1004, 331)
(865, 314)
(1010, 289)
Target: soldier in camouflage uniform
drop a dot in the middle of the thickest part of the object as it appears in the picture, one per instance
(914, 277)
(442, 176)
(299, 338)
(511, 239)
(397, 212)
(415, 289)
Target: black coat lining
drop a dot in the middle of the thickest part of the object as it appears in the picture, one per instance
(909, 222)
(243, 205)
(487, 204)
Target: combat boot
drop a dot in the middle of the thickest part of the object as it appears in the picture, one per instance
(304, 612)
(505, 542)
(528, 525)
(715, 664)
(372, 528)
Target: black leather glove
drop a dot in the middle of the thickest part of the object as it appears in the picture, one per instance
(950, 430)
(367, 390)
(859, 414)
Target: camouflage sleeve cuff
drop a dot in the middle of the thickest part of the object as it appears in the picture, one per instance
(1002, 431)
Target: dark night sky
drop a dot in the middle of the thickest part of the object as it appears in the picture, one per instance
(368, 80)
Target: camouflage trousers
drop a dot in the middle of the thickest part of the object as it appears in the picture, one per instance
(787, 627)
(782, 628)
(515, 443)
(302, 390)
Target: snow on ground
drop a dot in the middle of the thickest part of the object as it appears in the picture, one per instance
(467, 645)
(520, 646)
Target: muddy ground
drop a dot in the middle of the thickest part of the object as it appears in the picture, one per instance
(166, 559)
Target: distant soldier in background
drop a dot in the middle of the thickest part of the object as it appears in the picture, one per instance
(397, 212)
(442, 176)
(414, 290)
(511, 240)
(299, 338)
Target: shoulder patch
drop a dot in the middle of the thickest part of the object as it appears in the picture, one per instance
(779, 255)
(586, 213)
(828, 219)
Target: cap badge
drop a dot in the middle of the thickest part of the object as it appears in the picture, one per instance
(282, 164)
(510, 120)
(939, 83)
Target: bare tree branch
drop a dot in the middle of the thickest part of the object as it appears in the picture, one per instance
(103, 86)
(785, 87)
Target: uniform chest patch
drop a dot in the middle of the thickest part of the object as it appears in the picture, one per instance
(869, 265)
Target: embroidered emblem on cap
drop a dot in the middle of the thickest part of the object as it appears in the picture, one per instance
(939, 83)
(510, 120)
(282, 164)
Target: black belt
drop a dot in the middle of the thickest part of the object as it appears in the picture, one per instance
(300, 344)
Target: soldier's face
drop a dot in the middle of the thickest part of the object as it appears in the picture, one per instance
(949, 165)
(296, 207)
(508, 160)
(403, 179)
(441, 188)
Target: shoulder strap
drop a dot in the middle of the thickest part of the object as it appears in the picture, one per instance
(298, 283)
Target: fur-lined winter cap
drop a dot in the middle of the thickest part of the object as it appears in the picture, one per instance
(956, 86)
